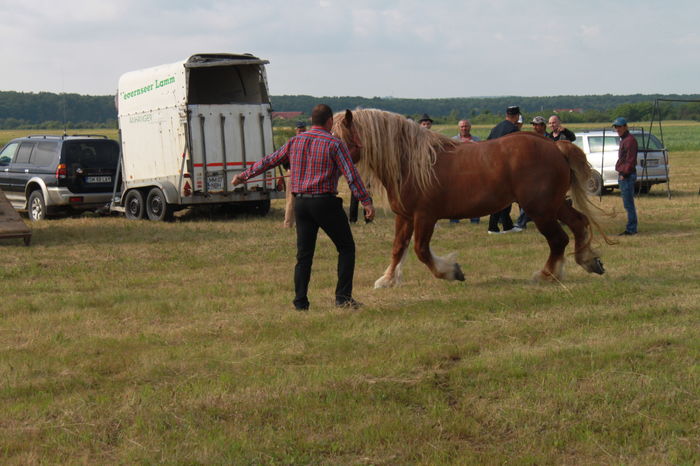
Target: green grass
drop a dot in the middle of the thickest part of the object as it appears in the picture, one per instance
(141, 342)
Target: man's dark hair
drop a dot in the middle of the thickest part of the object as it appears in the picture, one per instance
(320, 114)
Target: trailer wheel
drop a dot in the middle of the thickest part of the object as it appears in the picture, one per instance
(157, 208)
(133, 205)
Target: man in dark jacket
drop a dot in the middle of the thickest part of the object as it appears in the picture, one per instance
(559, 133)
(507, 126)
(626, 167)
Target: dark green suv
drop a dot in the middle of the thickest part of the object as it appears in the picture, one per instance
(49, 175)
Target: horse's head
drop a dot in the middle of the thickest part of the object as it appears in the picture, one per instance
(347, 131)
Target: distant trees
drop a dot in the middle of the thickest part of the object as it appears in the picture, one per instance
(48, 110)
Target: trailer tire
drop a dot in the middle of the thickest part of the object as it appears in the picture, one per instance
(157, 207)
(133, 205)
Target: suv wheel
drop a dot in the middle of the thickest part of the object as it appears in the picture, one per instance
(133, 205)
(37, 206)
(157, 208)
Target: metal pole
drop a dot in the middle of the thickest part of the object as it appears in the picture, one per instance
(204, 154)
(222, 123)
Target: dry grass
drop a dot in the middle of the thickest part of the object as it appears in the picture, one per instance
(140, 342)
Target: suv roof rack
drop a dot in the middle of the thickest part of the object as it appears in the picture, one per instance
(64, 136)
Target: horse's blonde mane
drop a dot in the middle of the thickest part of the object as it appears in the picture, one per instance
(394, 149)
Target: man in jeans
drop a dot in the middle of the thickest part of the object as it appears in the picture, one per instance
(626, 167)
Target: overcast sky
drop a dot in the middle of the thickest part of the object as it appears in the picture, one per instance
(410, 48)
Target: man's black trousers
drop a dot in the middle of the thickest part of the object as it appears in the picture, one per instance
(328, 214)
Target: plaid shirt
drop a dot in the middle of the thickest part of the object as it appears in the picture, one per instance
(316, 161)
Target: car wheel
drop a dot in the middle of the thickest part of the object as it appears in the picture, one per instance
(37, 206)
(643, 189)
(157, 208)
(595, 184)
(133, 205)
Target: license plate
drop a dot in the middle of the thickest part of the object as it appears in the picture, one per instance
(98, 179)
(215, 182)
(650, 163)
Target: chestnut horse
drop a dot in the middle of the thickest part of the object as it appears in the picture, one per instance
(428, 176)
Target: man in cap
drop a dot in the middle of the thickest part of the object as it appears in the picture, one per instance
(539, 126)
(626, 167)
(507, 126)
(559, 133)
(425, 121)
(300, 128)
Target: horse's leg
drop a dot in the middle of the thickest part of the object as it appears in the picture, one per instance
(585, 256)
(403, 229)
(442, 267)
(557, 239)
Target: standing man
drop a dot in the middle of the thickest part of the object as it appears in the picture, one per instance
(626, 167)
(425, 121)
(559, 133)
(539, 126)
(317, 159)
(289, 198)
(507, 126)
(465, 132)
(465, 135)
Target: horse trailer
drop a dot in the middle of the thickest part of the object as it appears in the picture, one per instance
(186, 129)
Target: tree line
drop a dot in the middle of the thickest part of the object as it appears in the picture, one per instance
(28, 110)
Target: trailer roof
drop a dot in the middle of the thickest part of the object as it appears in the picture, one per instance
(223, 59)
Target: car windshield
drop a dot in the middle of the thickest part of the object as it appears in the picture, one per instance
(92, 154)
(612, 143)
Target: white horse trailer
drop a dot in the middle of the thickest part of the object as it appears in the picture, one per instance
(187, 129)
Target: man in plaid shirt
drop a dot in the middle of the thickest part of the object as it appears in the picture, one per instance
(317, 159)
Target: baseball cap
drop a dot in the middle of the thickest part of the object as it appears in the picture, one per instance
(619, 121)
(301, 124)
(538, 120)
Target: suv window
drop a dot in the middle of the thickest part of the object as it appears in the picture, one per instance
(44, 154)
(612, 143)
(8, 153)
(91, 154)
(25, 150)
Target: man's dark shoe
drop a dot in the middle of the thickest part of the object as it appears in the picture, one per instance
(302, 306)
(348, 303)
(627, 233)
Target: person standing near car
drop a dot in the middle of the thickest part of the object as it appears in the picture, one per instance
(317, 159)
(626, 167)
(559, 133)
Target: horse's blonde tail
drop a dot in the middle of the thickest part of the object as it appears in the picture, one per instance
(580, 174)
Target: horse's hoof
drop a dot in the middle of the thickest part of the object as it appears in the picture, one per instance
(458, 273)
(384, 282)
(542, 277)
(597, 266)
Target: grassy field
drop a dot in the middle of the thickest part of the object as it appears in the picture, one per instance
(138, 342)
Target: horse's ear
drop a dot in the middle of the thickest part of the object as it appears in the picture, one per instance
(347, 121)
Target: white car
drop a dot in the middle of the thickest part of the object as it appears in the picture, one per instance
(601, 148)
